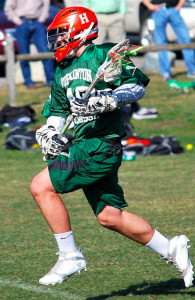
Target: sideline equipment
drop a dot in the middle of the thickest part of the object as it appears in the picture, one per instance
(181, 86)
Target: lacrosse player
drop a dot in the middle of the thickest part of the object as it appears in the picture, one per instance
(92, 162)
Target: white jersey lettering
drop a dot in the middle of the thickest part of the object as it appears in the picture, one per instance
(84, 74)
(85, 119)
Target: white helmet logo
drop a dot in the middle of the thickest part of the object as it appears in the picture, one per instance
(83, 18)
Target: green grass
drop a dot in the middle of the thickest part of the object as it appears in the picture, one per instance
(161, 189)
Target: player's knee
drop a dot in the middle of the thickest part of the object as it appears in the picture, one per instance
(36, 188)
(102, 220)
(106, 219)
(33, 186)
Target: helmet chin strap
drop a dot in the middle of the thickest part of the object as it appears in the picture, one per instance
(71, 54)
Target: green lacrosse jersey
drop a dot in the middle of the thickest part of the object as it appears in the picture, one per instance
(71, 75)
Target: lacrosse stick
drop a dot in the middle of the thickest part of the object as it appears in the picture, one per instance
(181, 86)
(108, 71)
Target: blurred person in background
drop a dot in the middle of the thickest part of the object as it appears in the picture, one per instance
(111, 18)
(164, 12)
(29, 17)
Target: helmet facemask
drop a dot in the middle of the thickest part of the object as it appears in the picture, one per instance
(52, 38)
(57, 44)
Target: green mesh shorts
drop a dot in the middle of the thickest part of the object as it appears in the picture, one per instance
(92, 165)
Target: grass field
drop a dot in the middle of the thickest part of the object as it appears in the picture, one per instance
(161, 189)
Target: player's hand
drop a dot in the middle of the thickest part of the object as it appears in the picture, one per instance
(50, 144)
(99, 102)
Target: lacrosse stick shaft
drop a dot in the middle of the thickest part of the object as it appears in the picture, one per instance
(66, 126)
(90, 88)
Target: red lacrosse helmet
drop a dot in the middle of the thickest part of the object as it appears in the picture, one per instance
(76, 24)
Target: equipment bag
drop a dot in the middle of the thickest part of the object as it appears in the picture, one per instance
(157, 145)
(22, 139)
(171, 141)
(17, 116)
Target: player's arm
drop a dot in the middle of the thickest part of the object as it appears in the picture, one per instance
(47, 135)
(108, 100)
(180, 4)
(150, 6)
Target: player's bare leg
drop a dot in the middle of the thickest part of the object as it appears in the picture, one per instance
(70, 259)
(174, 250)
(50, 203)
(128, 224)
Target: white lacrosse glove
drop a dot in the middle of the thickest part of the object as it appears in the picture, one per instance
(50, 144)
(108, 100)
(99, 102)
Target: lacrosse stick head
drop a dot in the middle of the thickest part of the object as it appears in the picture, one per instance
(114, 70)
(112, 67)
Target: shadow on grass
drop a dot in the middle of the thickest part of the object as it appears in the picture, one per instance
(170, 287)
(179, 74)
